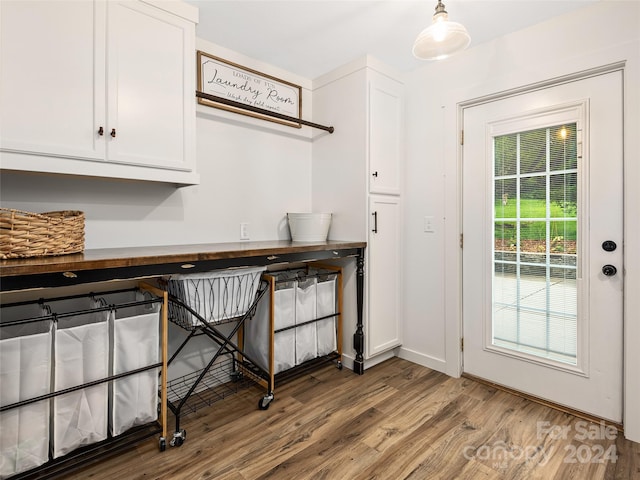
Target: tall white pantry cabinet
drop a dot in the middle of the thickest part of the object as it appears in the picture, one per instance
(357, 175)
(98, 88)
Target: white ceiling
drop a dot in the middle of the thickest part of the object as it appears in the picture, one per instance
(312, 37)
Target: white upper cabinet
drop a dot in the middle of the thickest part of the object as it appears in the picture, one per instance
(148, 101)
(385, 134)
(98, 88)
(52, 84)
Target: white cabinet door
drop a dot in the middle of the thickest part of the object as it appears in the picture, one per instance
(384, 323)
(98, 88)
(52, 78)
(151, 99)
(386, 106)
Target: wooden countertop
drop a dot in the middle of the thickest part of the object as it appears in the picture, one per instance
(132, 262)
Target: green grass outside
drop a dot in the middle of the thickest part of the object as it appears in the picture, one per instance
(529, 208)
(534, 230)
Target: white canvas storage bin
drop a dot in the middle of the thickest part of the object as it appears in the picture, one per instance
(81, 355)
(25, 373)
(258, 330)
(306, 335)
(326, 307)
(284, 315)
(216, 296)
(135, 343)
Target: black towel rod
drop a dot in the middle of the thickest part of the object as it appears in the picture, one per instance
(251, 108)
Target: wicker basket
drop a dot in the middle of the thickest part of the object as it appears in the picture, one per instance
(25, 234)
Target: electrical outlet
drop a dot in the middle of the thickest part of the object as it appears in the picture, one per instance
(428, 225)
(244, 231)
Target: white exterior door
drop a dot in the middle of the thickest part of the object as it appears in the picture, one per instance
(542, 256)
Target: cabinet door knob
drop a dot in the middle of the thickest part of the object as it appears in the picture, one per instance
(374, 174)
(113, 132)
(101, 131)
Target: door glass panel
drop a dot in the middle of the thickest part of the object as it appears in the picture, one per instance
(535, 225)
(505, 155)
(533, 196)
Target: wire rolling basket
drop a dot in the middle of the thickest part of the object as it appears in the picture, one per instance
(212, 297)
(199, 302)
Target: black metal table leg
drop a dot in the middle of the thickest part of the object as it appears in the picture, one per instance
(358, 336)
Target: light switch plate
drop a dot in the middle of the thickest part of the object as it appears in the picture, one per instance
(428, 224)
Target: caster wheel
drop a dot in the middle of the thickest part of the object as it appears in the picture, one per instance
(339, 365)
(236, 377)
(178, 438)
(265, 401)
(163, 444)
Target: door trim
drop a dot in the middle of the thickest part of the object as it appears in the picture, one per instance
(575, 111)
(532, 87)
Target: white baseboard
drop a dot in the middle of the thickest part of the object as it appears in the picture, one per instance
(347, 361)
(421, 359)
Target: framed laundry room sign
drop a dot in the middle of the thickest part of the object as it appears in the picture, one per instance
(240, 85)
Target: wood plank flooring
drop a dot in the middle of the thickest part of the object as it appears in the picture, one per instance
(397, 421)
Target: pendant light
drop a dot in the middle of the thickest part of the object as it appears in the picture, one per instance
(442, 38)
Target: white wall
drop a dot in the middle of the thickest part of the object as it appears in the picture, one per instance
(251, 171)
(601, 34)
